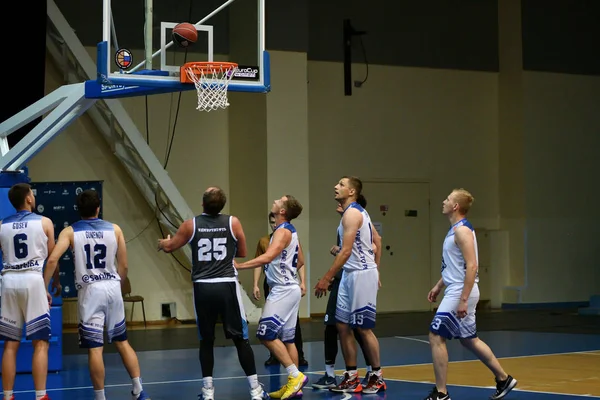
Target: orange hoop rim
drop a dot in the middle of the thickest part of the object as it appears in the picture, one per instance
(209, 65)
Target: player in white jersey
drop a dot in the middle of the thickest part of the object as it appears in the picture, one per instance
(96, 245)
(357, 296)
(25, 238)
(455, 317)
(277, 324)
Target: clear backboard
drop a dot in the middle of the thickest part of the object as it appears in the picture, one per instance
(228, 31)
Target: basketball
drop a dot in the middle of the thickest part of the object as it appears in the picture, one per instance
(185, 34)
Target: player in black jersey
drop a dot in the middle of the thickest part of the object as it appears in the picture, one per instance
(216, 239)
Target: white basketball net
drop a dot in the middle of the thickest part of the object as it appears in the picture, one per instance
(211, 86)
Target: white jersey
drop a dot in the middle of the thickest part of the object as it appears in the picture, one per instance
(94, 251)
(453, 262)
(362, 256)
(282, 270)
(24, 243)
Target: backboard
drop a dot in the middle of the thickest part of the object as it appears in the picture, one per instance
(228, 30)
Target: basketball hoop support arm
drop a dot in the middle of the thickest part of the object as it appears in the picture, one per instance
(209, 16)
(67, 103)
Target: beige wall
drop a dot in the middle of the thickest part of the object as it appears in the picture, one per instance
(405, 124)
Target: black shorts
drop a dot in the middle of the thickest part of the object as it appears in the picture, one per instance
(331, 303)
(219, 299)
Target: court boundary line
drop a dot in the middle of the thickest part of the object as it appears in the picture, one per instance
(589, 396)
(413, 339)
(322, 372)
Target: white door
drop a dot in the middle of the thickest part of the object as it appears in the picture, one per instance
(400, 212)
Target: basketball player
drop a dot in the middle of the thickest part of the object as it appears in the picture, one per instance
(261, 248)
(277, 324)
(455, 317)
(216, 239)
(25, 238)
(330, 343)
(357, 296)
(96, 244)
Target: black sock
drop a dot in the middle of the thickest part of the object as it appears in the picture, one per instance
(207, 357)
(246, 356)
(330, 344)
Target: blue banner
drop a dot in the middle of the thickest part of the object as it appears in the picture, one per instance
(56, 200)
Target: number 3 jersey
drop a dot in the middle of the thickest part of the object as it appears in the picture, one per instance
(94, 251)
(24, 243)
(214, 246)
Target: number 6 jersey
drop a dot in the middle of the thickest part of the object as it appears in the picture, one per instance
(94, 251)
(24, 243)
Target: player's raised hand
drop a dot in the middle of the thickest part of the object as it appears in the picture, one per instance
(161, 241)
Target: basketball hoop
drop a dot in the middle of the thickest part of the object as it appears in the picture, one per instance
(211, 80)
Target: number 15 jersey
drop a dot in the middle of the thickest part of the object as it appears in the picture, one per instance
(94, 251)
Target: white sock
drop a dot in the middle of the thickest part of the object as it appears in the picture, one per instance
(208, 382)
(330, 370)
(99, 394)
(137, 385)
(8, 394)
(253, 381)
(293, 370)
(39, 394)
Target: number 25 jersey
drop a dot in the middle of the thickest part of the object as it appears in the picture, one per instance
(94, 251)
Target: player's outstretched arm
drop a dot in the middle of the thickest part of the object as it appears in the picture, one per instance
(281, 238)
(48, 227)
(238, 231)
(65, 239)
(181, 238)
(122, 263)
(351, 222)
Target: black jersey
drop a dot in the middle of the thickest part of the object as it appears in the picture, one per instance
(213, 247)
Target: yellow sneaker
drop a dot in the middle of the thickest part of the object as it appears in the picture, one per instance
(294, 385)
(279, 393)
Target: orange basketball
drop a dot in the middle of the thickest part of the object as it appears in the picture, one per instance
(185, 34)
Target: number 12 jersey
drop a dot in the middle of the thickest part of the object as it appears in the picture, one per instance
(94, 251)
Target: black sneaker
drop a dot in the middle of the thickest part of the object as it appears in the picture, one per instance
(271, 361)
(435, 395)
(326, 382)
(504, 387)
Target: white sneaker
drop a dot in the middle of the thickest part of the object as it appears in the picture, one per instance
(208, 394)
(258, 393)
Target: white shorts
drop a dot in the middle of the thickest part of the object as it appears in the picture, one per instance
(280, 313)
(445, 322)
(357, 298)
(100, 305)
(24, 301)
